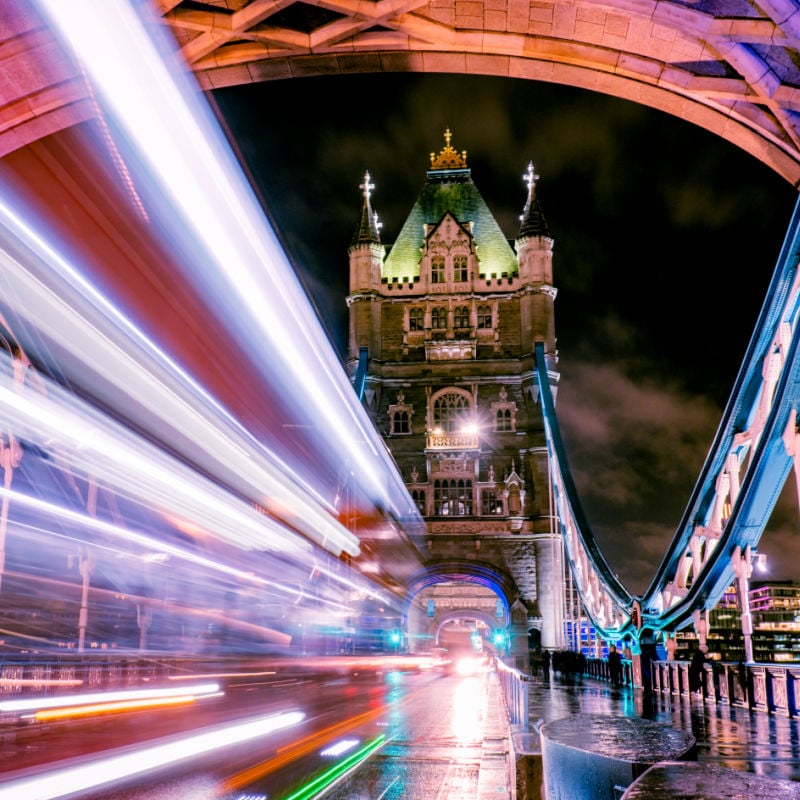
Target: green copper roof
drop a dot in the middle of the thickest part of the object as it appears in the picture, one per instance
(450, 190)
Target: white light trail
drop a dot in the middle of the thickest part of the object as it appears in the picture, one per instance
(81, 778)
(175, 404)
(165, 118)
(63, 701)
(84, 439)
(339, 748)
(44, 509)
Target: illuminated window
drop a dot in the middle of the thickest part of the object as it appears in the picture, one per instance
(452, 498)
(437, 269)
(461, 317)
(460, 269)
(416, 319)
(484, 316)
(451, 410)
(490, 503)
(418, 496)
(439, 318)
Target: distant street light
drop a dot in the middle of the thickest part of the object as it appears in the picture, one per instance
(743, 569)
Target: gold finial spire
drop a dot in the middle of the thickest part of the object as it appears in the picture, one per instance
(448, 158)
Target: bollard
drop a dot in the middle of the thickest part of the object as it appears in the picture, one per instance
(598, 756)
(694, 781)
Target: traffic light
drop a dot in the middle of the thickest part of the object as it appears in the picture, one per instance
(499, 638)
(395, 637)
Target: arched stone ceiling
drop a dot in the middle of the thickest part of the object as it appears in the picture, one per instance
(730, 66)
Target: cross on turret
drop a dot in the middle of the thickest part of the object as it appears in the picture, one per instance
(366, 186)
(530, 177)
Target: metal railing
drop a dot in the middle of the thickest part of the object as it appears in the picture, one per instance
(515, 690)
(770, 688)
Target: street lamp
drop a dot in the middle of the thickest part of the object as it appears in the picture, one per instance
(743, 569)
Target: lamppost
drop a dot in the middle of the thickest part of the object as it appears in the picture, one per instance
(743, 569)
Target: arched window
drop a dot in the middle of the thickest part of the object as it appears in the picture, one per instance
(461, 317)
(416, 319)
(439, 318)
(503, 421)
(452, 498)
(484, 316)
(418, 496)
(400, 422)
(460, 269)
(437, 269)
(400, 414)
(451, 410)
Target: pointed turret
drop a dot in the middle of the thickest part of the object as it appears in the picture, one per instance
(368, 230)
(366, 264)
(535, 253)
(532, 220)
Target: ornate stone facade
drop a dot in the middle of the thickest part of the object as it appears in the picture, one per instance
(449, 316)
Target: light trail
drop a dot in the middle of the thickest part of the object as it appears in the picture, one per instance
(180, 413)
(302, 747)
(332, 774)
(89, 522)
(97, 698)
(244, 268)
(121, 707)
(97, 445)
(112, 769)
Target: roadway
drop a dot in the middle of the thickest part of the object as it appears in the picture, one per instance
(372, 732)
(347, 729)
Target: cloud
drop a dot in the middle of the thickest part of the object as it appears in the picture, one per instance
(635, 448)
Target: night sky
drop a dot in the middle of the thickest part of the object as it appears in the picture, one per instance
(666, 237)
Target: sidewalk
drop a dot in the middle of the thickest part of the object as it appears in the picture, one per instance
(497, 773)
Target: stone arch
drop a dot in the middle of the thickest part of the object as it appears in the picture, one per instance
(483, 574)
(717, 67)
(440, 620)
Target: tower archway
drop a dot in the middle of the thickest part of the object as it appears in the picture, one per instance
(457, 605)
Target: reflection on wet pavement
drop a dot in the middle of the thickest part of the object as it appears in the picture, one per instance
(727, 736)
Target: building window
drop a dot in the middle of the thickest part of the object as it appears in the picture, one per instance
(503, 420)
(460, 269)
(418, 496)
(416, 319)
(504, 413)
(490, 503)
(400, 422)
(461, 317)
(437, 269)
(452, 498)
(484, 316)
(400, 414)
(439, 318)
(451, 410)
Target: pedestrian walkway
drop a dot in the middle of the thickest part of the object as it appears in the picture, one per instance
(727, 736)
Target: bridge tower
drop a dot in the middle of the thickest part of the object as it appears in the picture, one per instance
(442, 327)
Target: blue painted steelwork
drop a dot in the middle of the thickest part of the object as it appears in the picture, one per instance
(750, 458)
(769, 462)
(360, 380)
(572, 520)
